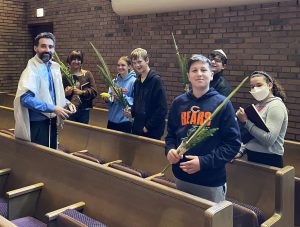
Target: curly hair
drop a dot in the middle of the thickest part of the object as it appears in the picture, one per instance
(277, 89)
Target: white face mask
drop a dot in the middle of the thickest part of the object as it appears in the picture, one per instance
(260, 93)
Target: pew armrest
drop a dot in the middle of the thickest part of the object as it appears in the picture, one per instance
(3, 177)
(23, 201)
(54, 214)
(220, 214)
(274, 221)
(6, 223)
(285, 195)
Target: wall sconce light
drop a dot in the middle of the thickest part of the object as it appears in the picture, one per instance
(39, 12)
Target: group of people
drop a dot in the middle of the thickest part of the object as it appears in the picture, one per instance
(44, 98)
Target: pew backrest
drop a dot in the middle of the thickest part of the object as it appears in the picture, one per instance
(7, 117)
(292, 155)
(7, 99)
(115, 198)
(269, 188)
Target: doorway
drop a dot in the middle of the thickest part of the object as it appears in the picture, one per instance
(36, 29)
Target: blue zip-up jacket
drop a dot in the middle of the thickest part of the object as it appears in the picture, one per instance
(115, 113)
(215, 151)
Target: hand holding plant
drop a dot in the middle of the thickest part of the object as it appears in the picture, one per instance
(108, 80)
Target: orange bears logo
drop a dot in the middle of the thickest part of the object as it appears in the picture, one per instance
(194, 116)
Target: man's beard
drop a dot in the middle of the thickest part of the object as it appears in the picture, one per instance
(45, 56)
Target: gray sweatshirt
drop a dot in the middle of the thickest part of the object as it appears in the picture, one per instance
(274, 113)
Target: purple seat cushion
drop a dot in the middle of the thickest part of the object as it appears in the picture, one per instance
(88, 156)
(28, 222)
(3, 207)
(128, 169)
(258, 212)
(165, 181)
(80, 217)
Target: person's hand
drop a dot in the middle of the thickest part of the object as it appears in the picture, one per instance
(68, 90)
(105, 99)
(241, 115)
(191, 166)
(145, 130)
(77, 91)
(62, 112)
(127, 112)
(115, 96)
(72, 107)
(173, 157)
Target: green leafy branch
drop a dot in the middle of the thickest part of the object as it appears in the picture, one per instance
(108, 80)
(182, 61)
(65, 70)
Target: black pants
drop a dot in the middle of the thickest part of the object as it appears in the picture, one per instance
(263, 158)
(82, 116)
(122, 127)
(39, 131)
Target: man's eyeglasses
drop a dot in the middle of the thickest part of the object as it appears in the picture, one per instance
(216, 59)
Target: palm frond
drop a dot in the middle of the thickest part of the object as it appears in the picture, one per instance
(182, 61)
(108, 79)
(65, 70)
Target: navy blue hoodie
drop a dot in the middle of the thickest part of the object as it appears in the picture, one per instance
(215, 151)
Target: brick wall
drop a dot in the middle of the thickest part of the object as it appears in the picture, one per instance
(255, 37)
(14, 48)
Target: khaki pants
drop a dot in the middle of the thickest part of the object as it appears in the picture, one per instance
(215, 194)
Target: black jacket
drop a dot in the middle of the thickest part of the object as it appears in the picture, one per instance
(149, 106)
(220, 84)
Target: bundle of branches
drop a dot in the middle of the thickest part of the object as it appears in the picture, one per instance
(65, 70)
(108, 80)
(182, 61)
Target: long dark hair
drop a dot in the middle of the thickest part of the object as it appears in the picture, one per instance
(277, 89)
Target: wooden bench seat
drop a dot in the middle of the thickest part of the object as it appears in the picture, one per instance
(148, 155)
(269, 188)
(115, 198)
(137, 152)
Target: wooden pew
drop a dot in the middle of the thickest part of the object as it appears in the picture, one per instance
(115, 198)
(117, 147)
(148, 155)
(98, 117)
(7, 99)
(7, 118)
(269, 188)
(292, 157)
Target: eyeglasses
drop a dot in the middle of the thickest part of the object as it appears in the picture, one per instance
(216, 59)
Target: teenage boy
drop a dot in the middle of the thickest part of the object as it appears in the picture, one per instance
(149, 101)
(201, 171)
(219, 60)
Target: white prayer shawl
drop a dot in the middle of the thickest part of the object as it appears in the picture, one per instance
(34, 78)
